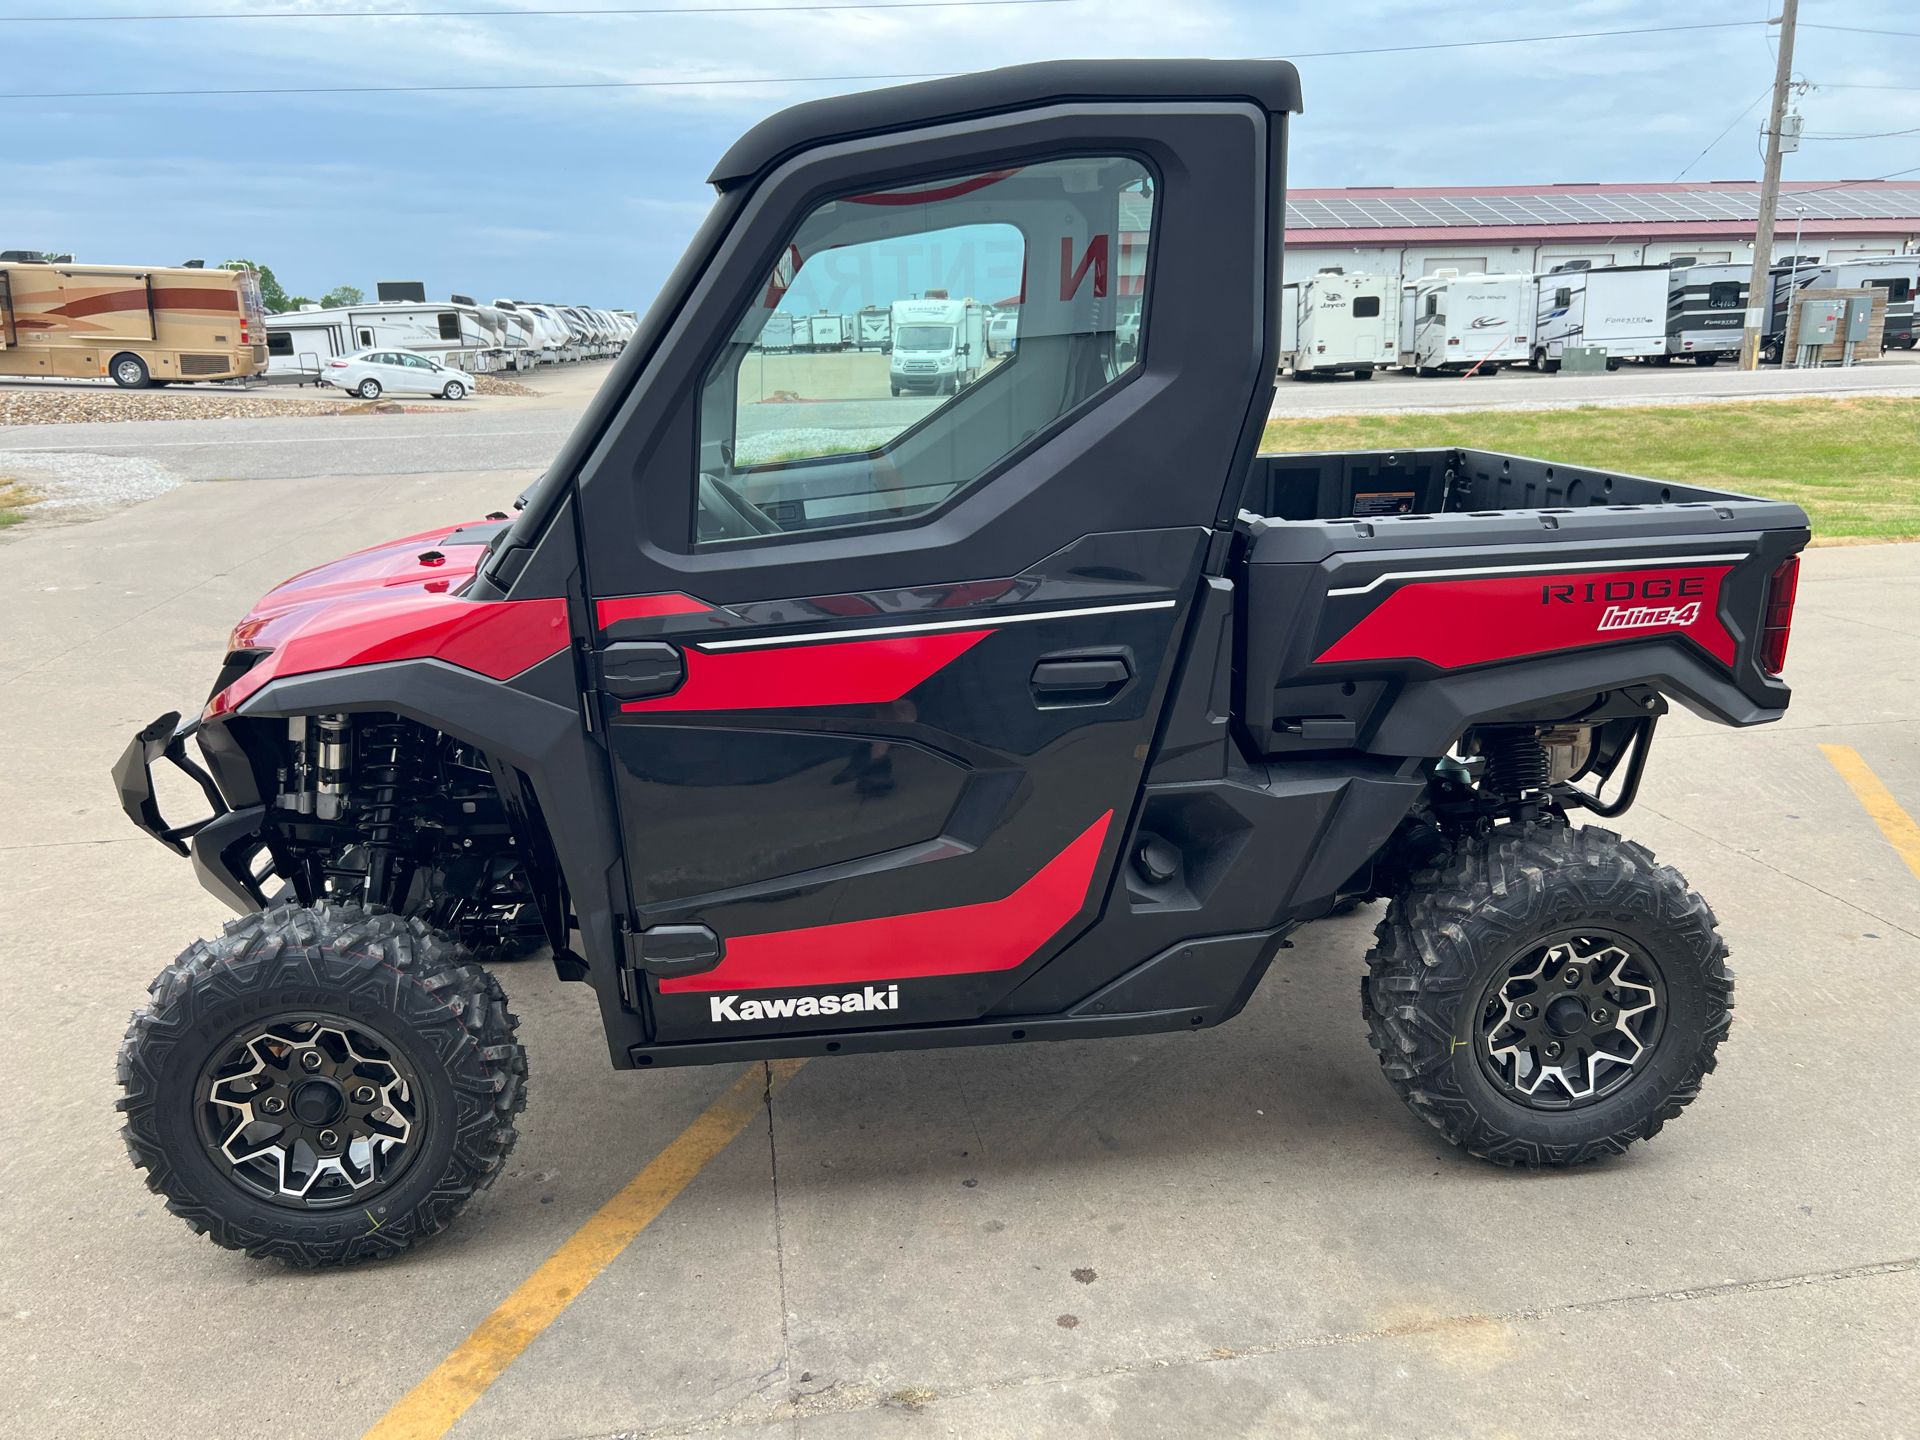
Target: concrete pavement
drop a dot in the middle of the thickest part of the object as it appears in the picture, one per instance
(1234, 1233)
(1389, 392)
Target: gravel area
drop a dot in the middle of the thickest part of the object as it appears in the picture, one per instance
(74, 486)
(811, 440)
(494, 385)
(78, 407)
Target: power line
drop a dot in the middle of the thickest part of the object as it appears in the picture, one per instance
(1849, 184)
(1866, 135)
(1744, 110)
(1863, 30)
(656, 10)
(810, 79)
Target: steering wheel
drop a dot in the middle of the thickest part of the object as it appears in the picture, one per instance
(726, 514)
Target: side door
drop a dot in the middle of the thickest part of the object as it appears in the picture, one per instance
(878, 675)
(421, 377)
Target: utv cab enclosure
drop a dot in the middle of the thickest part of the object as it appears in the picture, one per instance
(1042, 709)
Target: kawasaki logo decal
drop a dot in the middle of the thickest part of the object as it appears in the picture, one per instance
(803, 1007)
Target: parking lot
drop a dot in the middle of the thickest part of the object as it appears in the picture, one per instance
(1237, 1232)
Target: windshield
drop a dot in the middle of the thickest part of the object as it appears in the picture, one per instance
(923, 337)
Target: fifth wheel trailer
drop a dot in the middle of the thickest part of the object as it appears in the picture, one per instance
(1706, 311)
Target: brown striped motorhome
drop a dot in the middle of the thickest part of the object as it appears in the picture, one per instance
(141, 326)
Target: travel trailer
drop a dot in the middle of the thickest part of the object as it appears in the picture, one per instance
(301, 342)
(1465, 324)
(1347, 324)
(873, 329)
(1621, 309)
(939, 346)
(778, 333)
(1003, 330)
(140, 325)
(1706, 311)
(826, 332)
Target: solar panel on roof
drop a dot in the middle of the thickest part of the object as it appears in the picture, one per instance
(1569, 207)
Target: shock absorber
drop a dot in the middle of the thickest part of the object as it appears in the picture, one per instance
(331, 787)
(1517, 763)
(388, 775)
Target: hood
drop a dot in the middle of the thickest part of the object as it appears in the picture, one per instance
(400, 600)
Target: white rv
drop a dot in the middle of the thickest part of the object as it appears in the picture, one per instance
(1289, 322)
(826, 332)
(1003, 330)
(1466, 324)
(873, 329)
(939, 345)
(1621, 309)
(1706, 311)
(1347, 324)
(525, 339)
(300, 342)
(777, 334)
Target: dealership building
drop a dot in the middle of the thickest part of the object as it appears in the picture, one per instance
(1416, 230)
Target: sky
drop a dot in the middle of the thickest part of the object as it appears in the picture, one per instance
(587, 196)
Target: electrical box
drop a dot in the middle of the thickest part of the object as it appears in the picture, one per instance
(1859, 318)
(1820, 322)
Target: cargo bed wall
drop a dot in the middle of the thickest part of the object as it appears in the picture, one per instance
(1368, 484)
(1495, 587)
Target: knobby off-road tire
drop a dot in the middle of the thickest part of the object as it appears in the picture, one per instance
(1459, 940)
(339, 980)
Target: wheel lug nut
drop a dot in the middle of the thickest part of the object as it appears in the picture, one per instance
(1571, 976)
(363, 1094)
(273, 1104)
(328, 1139)
(1523, 1010)
(1600, 1017)
(1553, 1049)
(310, 1060)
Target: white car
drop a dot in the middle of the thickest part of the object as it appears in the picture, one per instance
(372, 372)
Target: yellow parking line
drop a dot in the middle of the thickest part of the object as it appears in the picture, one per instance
(1898, 826)
(431, 1407)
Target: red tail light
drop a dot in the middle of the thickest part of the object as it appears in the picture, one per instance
(1778, 628)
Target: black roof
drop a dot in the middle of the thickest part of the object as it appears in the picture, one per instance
(1272, 84)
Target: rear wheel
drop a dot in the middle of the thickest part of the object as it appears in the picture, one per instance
(130, 372)
(321, 1085)
(1546, 996)
(1706, 359)
(368, 389)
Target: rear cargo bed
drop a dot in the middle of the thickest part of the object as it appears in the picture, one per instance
(1394, 597)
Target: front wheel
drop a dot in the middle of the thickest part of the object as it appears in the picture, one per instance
(130, 372)
(455, 390)
(1547, 995)
(321, 1085)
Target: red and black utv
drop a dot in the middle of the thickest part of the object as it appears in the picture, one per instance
(1032, 704)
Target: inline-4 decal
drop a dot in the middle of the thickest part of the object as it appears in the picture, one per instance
(1451, 623)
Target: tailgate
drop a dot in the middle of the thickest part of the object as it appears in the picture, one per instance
(1393, 633)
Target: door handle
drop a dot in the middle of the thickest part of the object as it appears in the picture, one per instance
(1087, 679)
(641, 669)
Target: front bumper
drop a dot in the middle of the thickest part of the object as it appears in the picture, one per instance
(224, 845)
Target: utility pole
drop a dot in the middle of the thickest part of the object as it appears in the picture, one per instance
(1759, 291)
